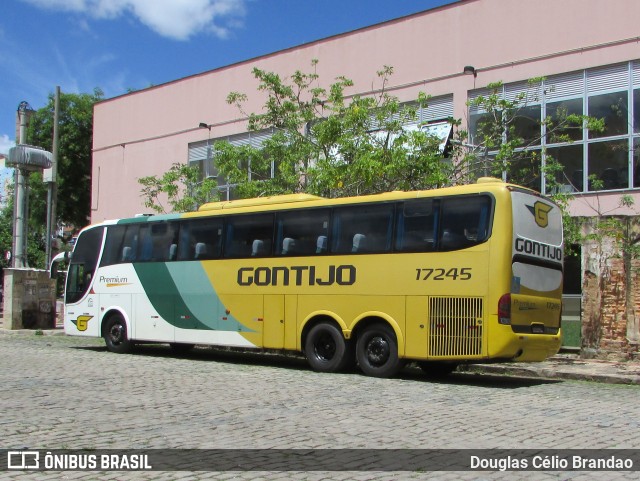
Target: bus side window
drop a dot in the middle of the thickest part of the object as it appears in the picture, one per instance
(127, 254)
(145, 246)
(114, 246)
(249, 235)
(465, 221)
(321, 244)
(200, 239)
(362, 229)
(156, 239)
(163, 236)
(120, 245)
(297, 232)
(416, 226)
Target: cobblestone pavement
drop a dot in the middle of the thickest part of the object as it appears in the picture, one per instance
(70, 393)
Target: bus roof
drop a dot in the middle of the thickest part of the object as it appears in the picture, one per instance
(258, 201)
(282, 202)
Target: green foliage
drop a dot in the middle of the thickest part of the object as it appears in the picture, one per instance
(505, 147)
(35, 236)
(6, 232)
(74, 173)
(328, 143)
(180, 188)
(74, 157)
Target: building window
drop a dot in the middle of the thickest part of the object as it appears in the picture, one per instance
(636, 111)
(613, 109)
(526, 126)
(556, 112)
(202, 155)
(571, 157)
(608, 165)
(598, 161)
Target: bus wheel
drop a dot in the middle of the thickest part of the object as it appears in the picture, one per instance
(326, 348)
(437, 369)
(377, 351)
(115, 335)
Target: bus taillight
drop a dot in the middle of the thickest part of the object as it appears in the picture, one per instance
(504, 309)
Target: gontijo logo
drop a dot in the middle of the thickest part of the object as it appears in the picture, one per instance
(82, 322)
(540, 212)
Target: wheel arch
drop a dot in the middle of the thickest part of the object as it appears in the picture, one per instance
(317, 317)
(109, 313)
(369, 318)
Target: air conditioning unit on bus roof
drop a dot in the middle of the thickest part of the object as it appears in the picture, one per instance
(489, 180)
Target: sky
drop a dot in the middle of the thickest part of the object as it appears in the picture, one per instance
(123, 45)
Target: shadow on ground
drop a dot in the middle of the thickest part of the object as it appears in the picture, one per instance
(470, 375)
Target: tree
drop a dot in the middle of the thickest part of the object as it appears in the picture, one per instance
(74, 173)
(74, 157)
(180, 187)
(327, 143)
(507, 139)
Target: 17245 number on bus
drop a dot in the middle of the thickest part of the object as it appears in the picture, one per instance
(455, 274)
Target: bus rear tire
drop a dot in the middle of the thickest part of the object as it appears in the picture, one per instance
(377, 351)
(326, 348)
(115, 335)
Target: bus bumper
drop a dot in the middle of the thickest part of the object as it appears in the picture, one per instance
(537, 347)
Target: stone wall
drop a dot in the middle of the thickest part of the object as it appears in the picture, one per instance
(611, 290)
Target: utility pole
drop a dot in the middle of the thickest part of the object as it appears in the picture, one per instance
(51, 177)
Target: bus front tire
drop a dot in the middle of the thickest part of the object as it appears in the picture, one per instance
(326, 348)
(377, 351)
(115, 335)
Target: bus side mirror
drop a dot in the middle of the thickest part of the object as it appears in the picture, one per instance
(53, 269)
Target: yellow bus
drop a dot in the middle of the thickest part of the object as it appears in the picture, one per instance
(462, 274)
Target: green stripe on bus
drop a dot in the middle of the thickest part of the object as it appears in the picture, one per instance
(183, 296)
(149, 218)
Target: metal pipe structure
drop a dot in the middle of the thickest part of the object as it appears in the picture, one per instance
(19, 258)
(24, 158)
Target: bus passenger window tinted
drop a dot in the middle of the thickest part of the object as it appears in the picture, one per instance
(417, 221)
(302, 232)
(156, 240)
(83, 264)
(249, 236)
(362, 229)
(121, 244)
(465, 222)
(200, 240)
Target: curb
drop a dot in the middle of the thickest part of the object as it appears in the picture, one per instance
(33, 332)
(545, 371)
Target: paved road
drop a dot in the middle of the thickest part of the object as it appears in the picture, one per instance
(70, 393)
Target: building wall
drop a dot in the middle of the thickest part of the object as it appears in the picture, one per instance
(611, 288)
(144, 132)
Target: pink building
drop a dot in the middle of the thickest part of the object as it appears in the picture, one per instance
(587, 50)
